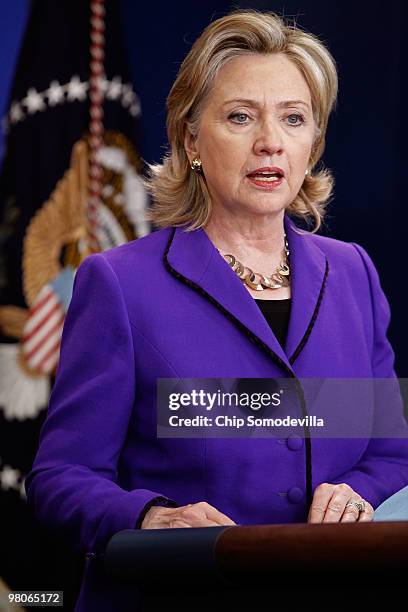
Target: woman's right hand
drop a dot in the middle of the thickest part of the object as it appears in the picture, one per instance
(192, 515)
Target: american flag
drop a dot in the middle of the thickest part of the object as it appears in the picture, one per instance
(42, 332)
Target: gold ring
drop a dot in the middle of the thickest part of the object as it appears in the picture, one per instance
(360, 505)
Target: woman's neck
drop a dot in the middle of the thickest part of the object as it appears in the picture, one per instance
(250, 240)
(257, 243)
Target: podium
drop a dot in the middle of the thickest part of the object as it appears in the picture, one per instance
(245, 566)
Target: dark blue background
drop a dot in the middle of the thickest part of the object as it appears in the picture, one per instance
(368, 133)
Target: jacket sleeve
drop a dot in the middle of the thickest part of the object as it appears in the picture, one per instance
(383, 468)
(73, 483)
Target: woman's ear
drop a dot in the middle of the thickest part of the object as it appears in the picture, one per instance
(190, 144)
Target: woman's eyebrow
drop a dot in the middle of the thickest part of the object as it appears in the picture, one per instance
(256, 104)
(286, 103)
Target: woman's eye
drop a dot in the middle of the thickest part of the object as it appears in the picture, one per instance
(239, 117)
(295, 119)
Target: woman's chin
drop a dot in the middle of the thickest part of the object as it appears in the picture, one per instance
(265, 207)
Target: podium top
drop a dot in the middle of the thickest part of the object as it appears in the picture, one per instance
(257, 552)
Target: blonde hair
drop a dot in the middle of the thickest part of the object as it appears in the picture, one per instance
(180, 195)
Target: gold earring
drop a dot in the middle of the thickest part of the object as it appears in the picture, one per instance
(196, 165)
(307, 172)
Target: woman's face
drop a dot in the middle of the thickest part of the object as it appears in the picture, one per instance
(257, 121)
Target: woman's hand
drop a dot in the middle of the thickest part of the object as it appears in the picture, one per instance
(330, 505)
(192, 515)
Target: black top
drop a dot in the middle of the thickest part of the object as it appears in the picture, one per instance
(276, 313)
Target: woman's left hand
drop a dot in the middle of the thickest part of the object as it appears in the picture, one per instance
(332, 503)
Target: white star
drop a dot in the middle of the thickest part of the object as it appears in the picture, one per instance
(114, 88)
(34, 101)
(76, 89)
(107, 191)
(135, 110)
(103, 84)
(16, 112)
(9, 478)
(128, 95)
(55, 93)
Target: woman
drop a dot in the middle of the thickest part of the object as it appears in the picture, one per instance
(247, 117)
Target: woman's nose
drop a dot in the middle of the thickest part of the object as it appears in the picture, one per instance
(268, 140)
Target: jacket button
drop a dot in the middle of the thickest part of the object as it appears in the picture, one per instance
(294, 442)
(295, 495)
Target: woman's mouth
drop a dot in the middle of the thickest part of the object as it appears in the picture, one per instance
(266, 180)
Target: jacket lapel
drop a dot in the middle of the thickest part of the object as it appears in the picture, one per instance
(309, 270)
(192, 258)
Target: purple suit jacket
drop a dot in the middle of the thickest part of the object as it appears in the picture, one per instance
(168, 306)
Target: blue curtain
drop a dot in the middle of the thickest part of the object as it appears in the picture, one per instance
(13, 21)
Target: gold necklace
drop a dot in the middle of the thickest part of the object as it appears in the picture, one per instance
(256, 281)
